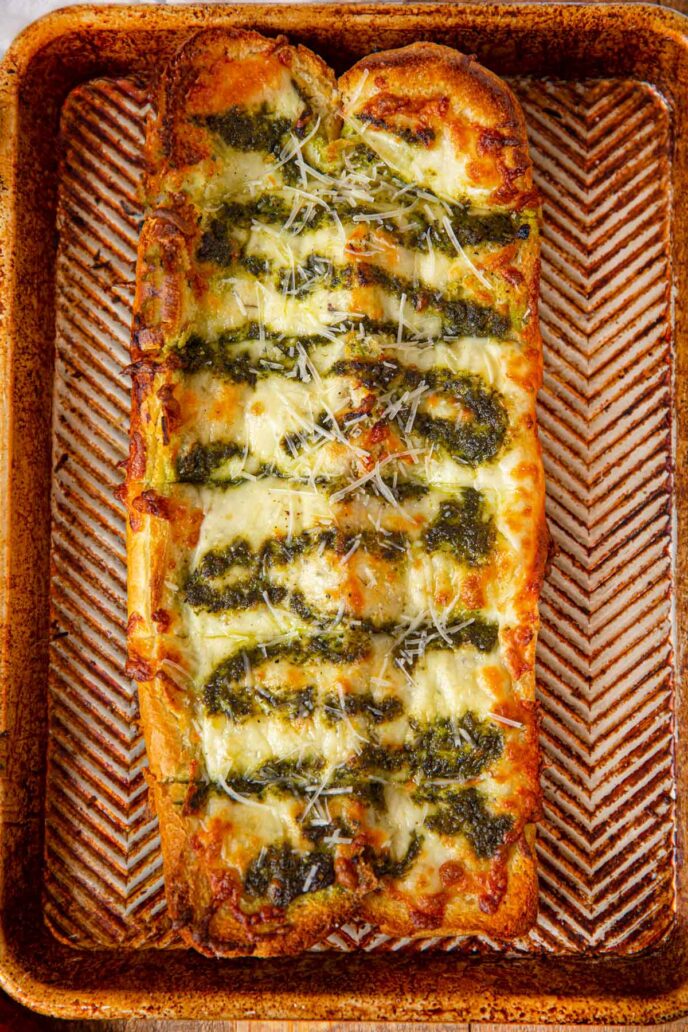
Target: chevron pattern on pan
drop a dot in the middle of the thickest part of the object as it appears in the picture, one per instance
(605, 847)
(103, 871)
(605, 664)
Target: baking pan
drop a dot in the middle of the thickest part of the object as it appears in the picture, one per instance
(83, 929)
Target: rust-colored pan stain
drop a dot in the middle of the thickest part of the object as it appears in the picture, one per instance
(605, 93)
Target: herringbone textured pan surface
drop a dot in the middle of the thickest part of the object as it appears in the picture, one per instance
(605, 658)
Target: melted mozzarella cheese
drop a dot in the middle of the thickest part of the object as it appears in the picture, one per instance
(301, 469)
(244, 747)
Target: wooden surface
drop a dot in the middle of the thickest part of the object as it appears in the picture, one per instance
(14, 1018)
(296, 1026)
(286, 1026)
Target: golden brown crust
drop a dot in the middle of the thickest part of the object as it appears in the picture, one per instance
(508, 915)
(213, 67)
(440, 99)
(437, 93)
(162, 529)
(441, 96)
(216, 69)
(202, 892)
(162, 264)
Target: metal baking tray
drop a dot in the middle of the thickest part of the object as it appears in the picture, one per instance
(83, 927)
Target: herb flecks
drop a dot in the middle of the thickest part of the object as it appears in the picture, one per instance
(224, 355)
(417, 231)
(281, 874)
(379, 711)
(281, 776)
(245, 130)
(253, 584)
(460, 316)
(240, 702)
(457, 748)
(445, 751)
(464, 812)
(474, 440)
(421, 136)
(385, 866)
(456, 629)
(463, 527)
(200, 462)
(343, 647)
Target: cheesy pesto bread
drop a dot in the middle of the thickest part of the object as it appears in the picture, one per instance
(335, 495)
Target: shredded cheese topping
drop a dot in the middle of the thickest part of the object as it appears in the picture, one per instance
(342, 371)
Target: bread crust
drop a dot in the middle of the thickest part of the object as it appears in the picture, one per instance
(449, 106)
(223, 67)
(200, 900)
(395, 914)
(442, 94)
(438, 92)
(161, 517)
